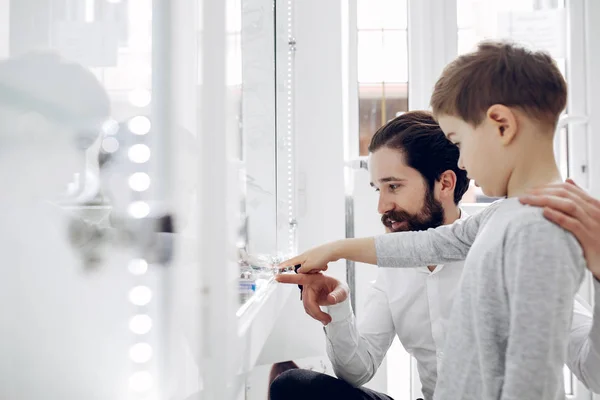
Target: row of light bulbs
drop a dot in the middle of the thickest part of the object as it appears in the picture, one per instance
(140, 295)
(138, 153)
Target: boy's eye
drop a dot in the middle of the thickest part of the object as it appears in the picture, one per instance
(394, 187)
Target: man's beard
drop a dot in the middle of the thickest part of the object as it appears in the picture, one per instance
(430, 216)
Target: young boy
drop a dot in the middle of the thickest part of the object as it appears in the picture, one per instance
(510, 320)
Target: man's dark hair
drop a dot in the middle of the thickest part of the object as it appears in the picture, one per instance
(424, 146)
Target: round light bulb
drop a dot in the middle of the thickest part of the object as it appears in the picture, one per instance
(140, 324)
(139, 209)
(140, 295)
(139, 153)
(140, 181)
(110, 144)
(140, 353)
(138, 266)
(140, 97)
(139, 125)
(110, 127)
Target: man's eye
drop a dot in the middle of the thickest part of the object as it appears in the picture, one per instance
(394, 187)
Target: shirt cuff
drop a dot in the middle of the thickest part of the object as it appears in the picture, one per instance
(340, 311)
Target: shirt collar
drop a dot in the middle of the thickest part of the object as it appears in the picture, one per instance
(440, 267)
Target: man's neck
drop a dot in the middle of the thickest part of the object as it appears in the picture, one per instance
(536, 169)
(451, 215)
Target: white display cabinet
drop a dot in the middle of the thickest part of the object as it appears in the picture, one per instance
(193, 168)
(248, 202)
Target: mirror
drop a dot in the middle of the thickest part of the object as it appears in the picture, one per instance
(86, 316)
(258, 125)
(260, 150)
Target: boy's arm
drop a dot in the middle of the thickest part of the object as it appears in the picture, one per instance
(543, 269)
(446, 243)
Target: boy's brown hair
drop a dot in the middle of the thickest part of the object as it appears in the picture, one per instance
(501, 73)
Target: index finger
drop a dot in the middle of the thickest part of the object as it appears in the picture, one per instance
(311, 270)
(292, 262)
(296, 279)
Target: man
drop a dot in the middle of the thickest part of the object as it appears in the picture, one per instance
(414, 168)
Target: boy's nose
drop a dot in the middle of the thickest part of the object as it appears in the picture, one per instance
(461, 165)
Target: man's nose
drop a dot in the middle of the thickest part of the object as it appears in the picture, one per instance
(384, 205)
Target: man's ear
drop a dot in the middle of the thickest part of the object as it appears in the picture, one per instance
(504, 121)
(446, 185)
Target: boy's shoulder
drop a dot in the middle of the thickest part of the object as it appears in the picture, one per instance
(513, 215)
(527, 222)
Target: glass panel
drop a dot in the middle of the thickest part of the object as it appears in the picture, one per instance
(75, 91)
(370, 56)
(382, 67)
(485, 19)
(382, 56)
(377, 104)
(382, 14)
(395, 56)
(256, 70)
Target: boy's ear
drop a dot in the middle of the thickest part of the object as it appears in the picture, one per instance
(504, 121)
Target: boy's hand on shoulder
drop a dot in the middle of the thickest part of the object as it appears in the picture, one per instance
(569, 206)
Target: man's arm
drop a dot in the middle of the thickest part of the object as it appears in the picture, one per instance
(583, 355)
(543, 269)
(357, 352)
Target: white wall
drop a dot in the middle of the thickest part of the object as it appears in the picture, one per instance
(592, 12)
(319, 124)
(4, 28)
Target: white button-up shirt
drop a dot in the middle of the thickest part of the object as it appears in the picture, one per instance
(414, 304)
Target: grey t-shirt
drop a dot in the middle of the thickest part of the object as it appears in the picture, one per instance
(510, 320)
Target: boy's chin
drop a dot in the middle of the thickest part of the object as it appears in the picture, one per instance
(492, 192)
